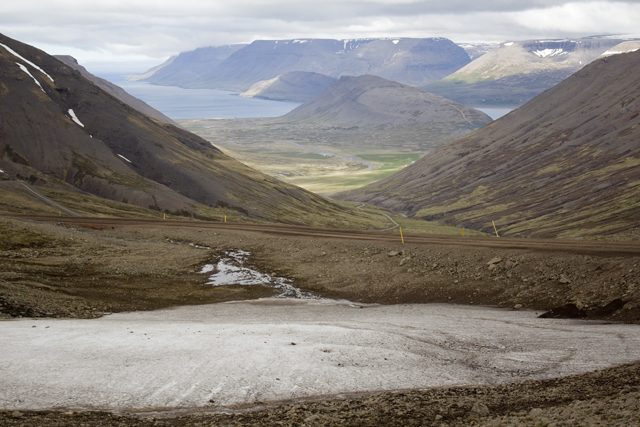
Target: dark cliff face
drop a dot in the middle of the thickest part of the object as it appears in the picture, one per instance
(567, 163)
(54, 121)
(409, 61)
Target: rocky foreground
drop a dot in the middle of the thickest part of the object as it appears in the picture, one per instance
(58, 270)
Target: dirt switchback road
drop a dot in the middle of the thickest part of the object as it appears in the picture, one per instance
(554, 245)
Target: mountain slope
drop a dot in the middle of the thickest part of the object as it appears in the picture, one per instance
(116, 91)
(187, 66)
(57, 123)
(409, 61)
(294, 86)
(370, 100)
(515, 72)
(565, 164)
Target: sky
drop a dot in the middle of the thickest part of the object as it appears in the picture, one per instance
(134, 35)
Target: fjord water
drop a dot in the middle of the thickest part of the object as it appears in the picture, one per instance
(178, 103)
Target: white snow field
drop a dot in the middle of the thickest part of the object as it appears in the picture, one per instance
(222, 355)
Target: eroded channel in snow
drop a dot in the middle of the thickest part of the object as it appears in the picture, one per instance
(231, 270)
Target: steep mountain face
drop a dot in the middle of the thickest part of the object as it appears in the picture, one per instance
(565, 164)
(188, 66)
(370, 100)
(294, 86)
(116, 90)
(55, 122)
(515, 72)
(409, 61)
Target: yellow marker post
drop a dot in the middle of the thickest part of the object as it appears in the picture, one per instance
(494, 227)
(60, 213)
(164, 216)
(401, 237)
(225, 218)
(462, 231)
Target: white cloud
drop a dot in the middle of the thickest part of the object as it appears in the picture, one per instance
(146, 31)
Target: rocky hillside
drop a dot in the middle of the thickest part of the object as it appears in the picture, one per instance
(116, 91)
(57, 126)
(294, 86)
(565, 164)
(515, 72)
(410, 61)
(374, 101)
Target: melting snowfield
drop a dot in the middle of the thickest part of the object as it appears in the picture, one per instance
(243, 353)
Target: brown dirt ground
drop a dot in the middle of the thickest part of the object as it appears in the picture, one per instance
(65, 270)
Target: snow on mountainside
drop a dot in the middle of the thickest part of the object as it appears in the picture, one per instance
(515, 72)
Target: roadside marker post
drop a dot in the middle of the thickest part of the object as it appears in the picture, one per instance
(225, 218)
(164, 216)
(494, 227)
(462, 231)
(401, 236)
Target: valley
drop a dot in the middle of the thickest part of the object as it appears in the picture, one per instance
(465, 271)
(318, 158)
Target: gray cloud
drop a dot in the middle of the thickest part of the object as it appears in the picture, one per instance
(146, 31)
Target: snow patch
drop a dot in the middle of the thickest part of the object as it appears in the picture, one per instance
(509, 44)
(124, 158)
(1, 171)
(75, 118)
(23, 68)
(14, 53)
(617, 52)
(550, 52)
(301, 41)
(395, 41)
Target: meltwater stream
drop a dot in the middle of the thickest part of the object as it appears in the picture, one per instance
(231, 270)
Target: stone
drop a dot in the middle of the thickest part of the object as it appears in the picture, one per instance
(535, 412)
(480, 408)
(564, 280)
(495, 260)
(394, 253)
(16, 414)
(517, 306)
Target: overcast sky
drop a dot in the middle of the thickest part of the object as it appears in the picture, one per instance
(132, 35)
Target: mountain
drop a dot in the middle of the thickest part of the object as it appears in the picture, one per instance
(515, 72)
(294, 86)
(476, 50)
(187, 66)
(374, 101)
(409, 61)
(567, 163)
(116, 91)
(58, 128)
(624, 47)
